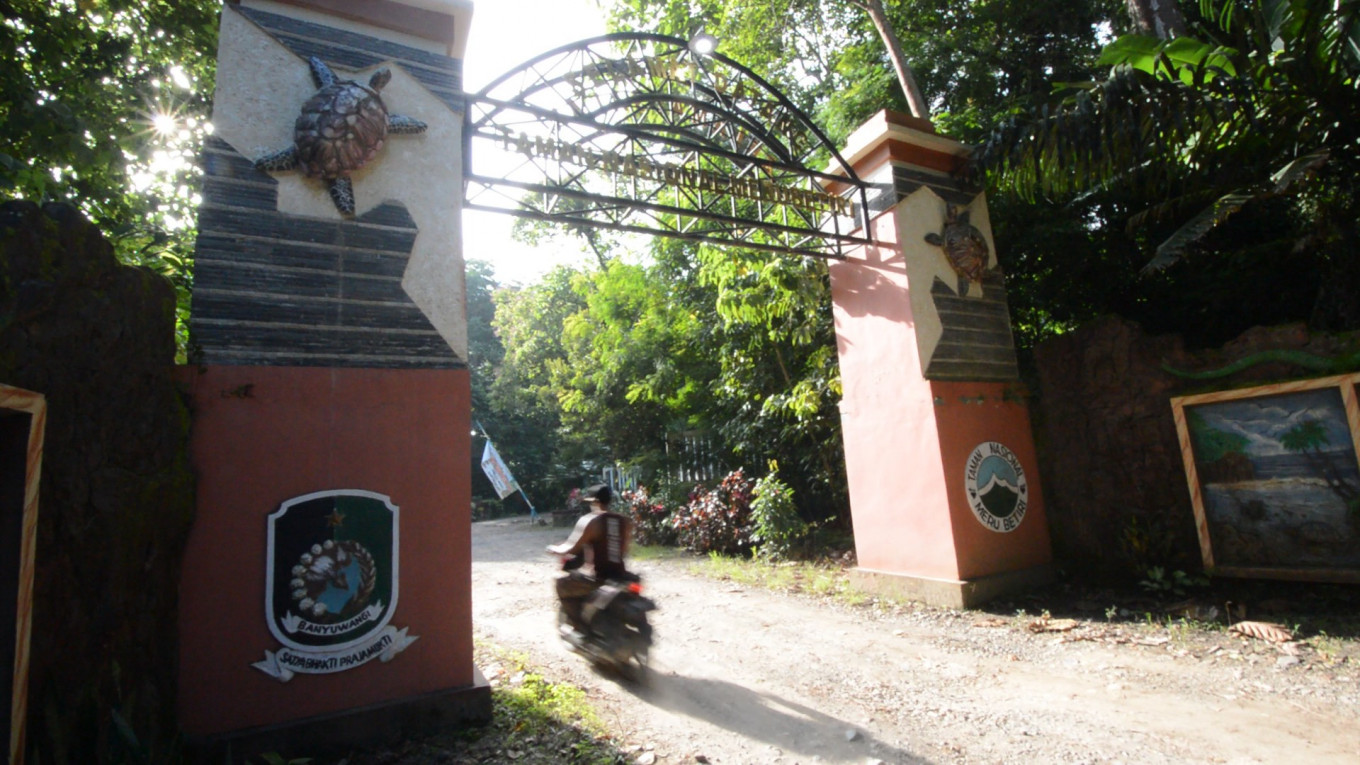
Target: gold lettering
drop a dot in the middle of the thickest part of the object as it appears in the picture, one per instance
(544, 147)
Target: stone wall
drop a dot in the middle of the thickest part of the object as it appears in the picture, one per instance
(97, 339)
(1114, 480)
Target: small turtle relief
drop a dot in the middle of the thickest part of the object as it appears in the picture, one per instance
(341, 127)
(964, 247)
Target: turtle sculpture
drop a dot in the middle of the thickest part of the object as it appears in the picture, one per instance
(341, 127)
(963, 245)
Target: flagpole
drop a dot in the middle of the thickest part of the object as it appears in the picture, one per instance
(533, 514)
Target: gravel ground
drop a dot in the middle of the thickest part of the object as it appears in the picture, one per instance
(745, 675)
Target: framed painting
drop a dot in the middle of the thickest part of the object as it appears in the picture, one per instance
(1274, 478)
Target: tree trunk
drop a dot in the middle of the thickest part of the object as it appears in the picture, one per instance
(905, 78)
(1157, 17)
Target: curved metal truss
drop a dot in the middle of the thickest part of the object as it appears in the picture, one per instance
(636, 132)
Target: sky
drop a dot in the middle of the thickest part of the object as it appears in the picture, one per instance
(1264, 422)
(503, 35)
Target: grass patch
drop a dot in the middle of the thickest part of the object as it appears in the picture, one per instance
(533, 721)
(821, 580)
(654, 552)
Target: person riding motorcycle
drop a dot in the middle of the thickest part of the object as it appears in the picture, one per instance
(599, 542)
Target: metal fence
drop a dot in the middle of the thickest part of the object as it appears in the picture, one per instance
(694, 456)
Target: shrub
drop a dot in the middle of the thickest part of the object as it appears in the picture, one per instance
(717, 520)
(776, 527)
(651, 520)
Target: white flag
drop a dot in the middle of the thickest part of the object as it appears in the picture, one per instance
(497, 472)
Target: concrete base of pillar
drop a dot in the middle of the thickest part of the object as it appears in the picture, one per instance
(950, 593)
(356, 728)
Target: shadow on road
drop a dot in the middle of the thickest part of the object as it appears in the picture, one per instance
(765, 717)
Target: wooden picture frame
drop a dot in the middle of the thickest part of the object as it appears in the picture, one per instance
(1274, 478)
(17, 401)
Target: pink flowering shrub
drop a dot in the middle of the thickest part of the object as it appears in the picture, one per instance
(717, 520)
(651, 520)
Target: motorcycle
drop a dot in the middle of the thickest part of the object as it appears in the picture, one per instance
(618, 636)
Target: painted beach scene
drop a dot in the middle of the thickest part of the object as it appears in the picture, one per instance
(1280, 480)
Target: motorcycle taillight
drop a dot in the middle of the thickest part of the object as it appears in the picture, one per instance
(635, 588)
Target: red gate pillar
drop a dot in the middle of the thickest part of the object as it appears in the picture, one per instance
(325, 600)
(944, 485)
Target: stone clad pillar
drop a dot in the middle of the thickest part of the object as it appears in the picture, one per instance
(944, 485)
(326, 592)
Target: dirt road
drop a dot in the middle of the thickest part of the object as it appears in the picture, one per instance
(749, 676)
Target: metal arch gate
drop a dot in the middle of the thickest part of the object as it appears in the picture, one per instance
(640, 133)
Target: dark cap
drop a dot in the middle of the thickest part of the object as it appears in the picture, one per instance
(598, 493)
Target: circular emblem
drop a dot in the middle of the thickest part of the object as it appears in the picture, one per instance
(332, 581)
(996, 486)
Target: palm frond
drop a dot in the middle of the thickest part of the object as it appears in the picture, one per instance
(1299, 169)
(1171, 209)
(1176, 245)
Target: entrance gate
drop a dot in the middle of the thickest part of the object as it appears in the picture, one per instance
(658, 135)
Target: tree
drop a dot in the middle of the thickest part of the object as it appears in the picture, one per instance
(104, 103)
(1159, 18)
(777, 389)
(971, 60)
(1307, 438)
(633, 372)
(915, 101)
(523, 409)
(1248, 121)
(485, 355)
(779, 349)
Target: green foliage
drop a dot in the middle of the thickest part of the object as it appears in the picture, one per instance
(532, 714)
(777, 528)
(977, 62)
(972, 60)
(1308, 435)
(1254, 115)
(1179, 58)
(717, 520)
(1147, 542)
(778, 349)
(1177, 582)
(1212, 444)
(521, 403)
(104, 103)
(602, 366)
(816, 579)
(632, 369)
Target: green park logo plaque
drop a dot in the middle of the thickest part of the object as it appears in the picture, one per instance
(331, 583)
